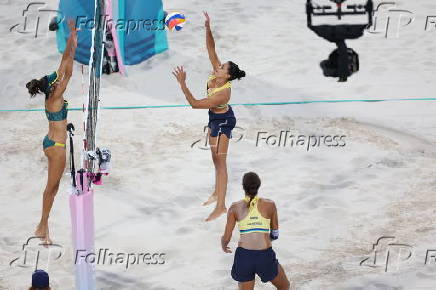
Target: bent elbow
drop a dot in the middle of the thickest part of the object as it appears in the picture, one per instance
(196, 106)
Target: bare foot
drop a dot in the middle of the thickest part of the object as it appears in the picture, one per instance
(40, 231)
(47, 241)
(213, 198)
(216, 213)
(43, 233)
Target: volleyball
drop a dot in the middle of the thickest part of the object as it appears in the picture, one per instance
(175, 21)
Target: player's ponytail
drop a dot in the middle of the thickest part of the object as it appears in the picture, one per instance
(34, 87)
(251, 183)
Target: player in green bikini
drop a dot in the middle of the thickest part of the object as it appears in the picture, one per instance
(53, 87)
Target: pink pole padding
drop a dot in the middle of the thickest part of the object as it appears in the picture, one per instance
(82, 220)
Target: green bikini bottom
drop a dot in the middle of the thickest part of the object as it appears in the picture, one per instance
(49, 143)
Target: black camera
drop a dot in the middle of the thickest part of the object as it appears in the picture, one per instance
(343, 61)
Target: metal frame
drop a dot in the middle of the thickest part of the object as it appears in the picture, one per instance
(357, 9)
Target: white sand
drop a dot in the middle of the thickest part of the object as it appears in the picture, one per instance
(333, 203)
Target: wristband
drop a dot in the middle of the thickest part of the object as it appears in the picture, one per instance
(274, 234)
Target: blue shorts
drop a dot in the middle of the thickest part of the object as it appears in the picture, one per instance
(222, 123)
(247, 263)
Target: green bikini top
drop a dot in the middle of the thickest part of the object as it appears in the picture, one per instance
(212, 91)
(58, 116)
(63, 113)
(52, 78)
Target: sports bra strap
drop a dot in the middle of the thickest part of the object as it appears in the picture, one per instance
(253, 222)
(253, 201)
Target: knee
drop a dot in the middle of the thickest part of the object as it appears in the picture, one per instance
(222, 169)
(221, 161)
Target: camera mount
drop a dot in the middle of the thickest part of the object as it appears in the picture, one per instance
(344, 61)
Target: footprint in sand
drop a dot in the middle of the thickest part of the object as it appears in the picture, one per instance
(391, 163)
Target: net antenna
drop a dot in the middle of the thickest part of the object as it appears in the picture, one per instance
(343, 61)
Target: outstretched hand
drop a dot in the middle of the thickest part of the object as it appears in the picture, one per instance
(207, 21)
(180, 74)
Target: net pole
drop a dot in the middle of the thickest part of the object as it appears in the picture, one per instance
(82, 205)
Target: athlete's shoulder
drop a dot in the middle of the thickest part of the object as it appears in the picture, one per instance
(267, 200)
(268, 204)
(237, 204)
(235, 207)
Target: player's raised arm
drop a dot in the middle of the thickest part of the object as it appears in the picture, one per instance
(210, 43)
(65, 70)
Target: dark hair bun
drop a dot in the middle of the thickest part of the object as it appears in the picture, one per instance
(34, 87)
(235, 72)
(241, 74)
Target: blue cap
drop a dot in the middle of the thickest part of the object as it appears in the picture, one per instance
(40, 279)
